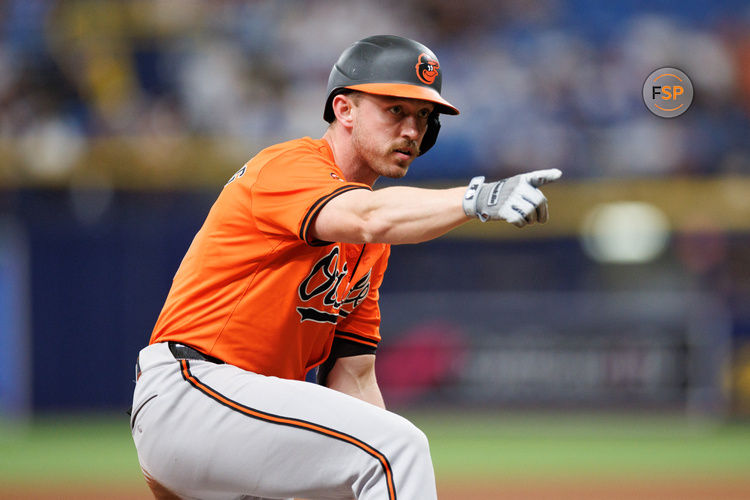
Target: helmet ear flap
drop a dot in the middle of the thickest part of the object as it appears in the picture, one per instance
(430, 135)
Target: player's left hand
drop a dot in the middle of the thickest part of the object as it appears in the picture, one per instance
(516, 200)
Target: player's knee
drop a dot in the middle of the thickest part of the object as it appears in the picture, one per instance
(416, 440)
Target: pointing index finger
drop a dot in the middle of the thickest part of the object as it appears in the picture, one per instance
(540, 177)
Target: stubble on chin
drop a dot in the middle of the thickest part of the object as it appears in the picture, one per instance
(398, 172)
(387, 166)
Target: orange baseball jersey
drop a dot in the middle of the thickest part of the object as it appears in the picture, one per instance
(255, 290)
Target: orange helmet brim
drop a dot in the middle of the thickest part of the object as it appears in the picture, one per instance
(409, 91)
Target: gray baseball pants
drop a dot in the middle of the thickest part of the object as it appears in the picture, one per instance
(217, 432)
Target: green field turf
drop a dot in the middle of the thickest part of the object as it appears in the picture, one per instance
(604, 446)
(71, 449)
(94, 450)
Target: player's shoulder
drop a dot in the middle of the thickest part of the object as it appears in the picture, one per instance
(295, 149)
(296, 160)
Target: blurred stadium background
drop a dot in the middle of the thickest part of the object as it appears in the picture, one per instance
(611, 345)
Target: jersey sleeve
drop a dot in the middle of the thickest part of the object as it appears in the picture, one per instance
(291, 190)
(362, 323)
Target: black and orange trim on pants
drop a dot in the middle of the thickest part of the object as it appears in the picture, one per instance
(291, 422)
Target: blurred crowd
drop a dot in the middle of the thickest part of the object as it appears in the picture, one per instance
(540, 84)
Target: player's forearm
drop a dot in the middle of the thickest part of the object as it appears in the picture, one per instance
(412, 215)
(355, 376)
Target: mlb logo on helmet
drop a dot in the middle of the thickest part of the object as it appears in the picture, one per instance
(427, 69)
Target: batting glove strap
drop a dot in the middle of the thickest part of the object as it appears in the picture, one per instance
(472, 197)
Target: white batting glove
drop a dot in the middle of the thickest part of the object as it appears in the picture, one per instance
(516, 199)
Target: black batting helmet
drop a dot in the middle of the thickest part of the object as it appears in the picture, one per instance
(393, 66)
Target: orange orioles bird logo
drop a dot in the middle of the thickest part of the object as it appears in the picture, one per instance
(427, 69)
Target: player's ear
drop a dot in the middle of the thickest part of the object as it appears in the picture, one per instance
(343, 107)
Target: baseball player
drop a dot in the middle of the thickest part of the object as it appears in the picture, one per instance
(283, 277)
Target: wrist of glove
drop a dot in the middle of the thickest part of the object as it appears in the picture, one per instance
(516, 200)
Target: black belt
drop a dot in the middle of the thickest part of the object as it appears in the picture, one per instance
(182, 351)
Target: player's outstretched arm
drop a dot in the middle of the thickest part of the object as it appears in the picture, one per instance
(394, 215)
(403, 214)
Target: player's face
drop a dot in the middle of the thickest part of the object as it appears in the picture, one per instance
(388, 131)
